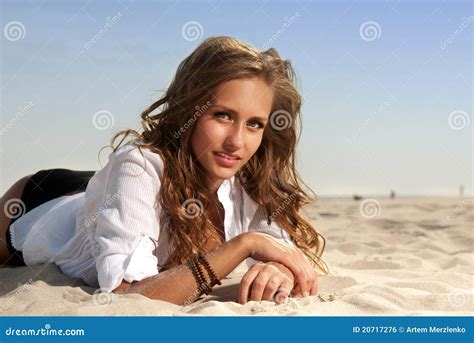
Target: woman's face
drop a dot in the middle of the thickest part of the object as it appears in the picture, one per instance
(232, 127)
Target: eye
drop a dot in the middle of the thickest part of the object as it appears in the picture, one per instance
(255, 124)
(221, 114)
(260, 125)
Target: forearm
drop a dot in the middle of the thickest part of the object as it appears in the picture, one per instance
(177, 284)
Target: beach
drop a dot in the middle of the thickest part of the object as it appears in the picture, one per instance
(402, 256)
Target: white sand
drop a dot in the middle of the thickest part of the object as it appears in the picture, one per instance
(414, 258)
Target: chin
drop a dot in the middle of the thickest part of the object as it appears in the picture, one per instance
(224, 174)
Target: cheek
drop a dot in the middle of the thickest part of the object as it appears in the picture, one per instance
(199, 141)
(203, 137)
(209, 131)
(253, 144)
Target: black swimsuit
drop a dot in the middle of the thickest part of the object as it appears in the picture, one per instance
(43, 186)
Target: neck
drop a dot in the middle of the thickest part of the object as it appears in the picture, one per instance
(214, 186)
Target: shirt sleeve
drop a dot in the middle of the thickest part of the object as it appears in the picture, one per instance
(128, 221)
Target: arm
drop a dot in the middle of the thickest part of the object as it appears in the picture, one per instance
(177, 284)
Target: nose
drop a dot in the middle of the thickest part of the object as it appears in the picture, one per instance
(235, 137)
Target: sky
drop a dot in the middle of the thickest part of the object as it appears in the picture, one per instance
(387, 85)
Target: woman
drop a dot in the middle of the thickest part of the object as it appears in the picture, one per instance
(209, 183)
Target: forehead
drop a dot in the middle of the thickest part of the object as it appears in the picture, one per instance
(248, 97)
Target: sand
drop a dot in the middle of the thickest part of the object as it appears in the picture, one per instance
(404, 256)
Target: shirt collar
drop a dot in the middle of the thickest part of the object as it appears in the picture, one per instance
(225, 190)
(230, 188)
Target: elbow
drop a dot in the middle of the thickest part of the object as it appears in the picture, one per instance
(123, 288)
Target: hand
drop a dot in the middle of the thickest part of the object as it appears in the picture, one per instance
(295, 291)
(266, 281)
(266, 248)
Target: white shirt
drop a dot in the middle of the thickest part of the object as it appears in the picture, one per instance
(108, 233)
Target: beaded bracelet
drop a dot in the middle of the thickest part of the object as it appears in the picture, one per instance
(207, 288)
(212, 275)
(194, 263)
(198, 276)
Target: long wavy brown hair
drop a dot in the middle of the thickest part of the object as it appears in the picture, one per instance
(269, 177)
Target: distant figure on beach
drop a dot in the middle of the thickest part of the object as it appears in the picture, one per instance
(357, 197)
(392, 194)
(461, 191)
(219, 143)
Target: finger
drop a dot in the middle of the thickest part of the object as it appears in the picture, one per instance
(298, 273)
(312, 282)
(308, 287)
(303, 283)
(296, 292)
(314, 287)
(258, 286)
(271, 288)
(310, 276)
(245, 284)
(283, 292)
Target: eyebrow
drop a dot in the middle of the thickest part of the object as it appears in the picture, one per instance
(235, 112)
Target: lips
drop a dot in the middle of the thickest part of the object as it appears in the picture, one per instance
(230, 157)
(226, 161)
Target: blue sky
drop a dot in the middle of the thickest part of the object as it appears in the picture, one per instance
(385, 107)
